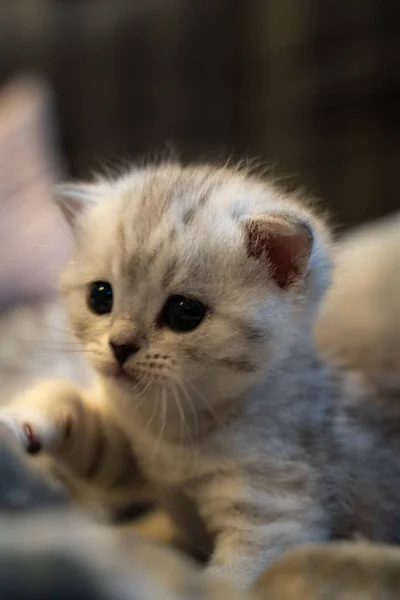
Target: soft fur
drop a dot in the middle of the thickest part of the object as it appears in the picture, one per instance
(250, 442)
(358, 328)
(341, 571)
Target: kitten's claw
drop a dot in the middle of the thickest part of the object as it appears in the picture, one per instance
(34, 444)
(35, 433)
(10, 428)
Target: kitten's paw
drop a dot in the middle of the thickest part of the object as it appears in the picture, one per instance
(36, 432)
(43, 418)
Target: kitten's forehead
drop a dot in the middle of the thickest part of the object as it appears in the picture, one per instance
(159, 210)
(176, 219)
(158, 221)
(178, 195)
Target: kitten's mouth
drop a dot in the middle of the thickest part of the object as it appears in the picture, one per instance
(133, 377)
(123, 375)
(118, 373)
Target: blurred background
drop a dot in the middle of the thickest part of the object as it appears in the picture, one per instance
(310, 87)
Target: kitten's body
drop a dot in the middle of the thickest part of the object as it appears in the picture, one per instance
(250, 442)
(295, 462)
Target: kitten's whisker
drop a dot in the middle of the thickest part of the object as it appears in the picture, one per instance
(143, 380)
(140, 383)
(164, 409)
(40, 341)
(153, 413)
(63, 330)
(206, 402)
(139, 404)
(193, 442)
(46, 352)
(196, 421)
(181, 414)
(142, 393)
(195, 417)
(137, 385)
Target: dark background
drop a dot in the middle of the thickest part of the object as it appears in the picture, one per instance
(309, 86)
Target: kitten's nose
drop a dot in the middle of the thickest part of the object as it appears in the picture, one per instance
(123, 351)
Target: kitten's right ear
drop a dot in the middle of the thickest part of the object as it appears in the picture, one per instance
(284, 244)
(74, 198)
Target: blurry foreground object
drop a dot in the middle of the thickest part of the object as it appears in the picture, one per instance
(33, 239)
(340, 571)
(34, 243)
(359, 326)
(23, 488)
(64, 557)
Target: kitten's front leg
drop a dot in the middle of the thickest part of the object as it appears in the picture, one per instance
(250, 534)
(82, 440)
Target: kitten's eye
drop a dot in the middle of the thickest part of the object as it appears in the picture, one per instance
(100, 299)
(183, 314)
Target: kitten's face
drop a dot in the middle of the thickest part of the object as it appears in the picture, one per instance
(170, 288)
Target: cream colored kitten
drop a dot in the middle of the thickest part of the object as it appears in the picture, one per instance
(193, 291)
(359, 325)
(339, 571)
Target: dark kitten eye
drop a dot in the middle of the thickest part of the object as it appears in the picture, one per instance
(183, 314)
(100, 299)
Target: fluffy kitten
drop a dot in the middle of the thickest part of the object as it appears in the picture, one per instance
(359, 325)
(345, 571)
(193, 291)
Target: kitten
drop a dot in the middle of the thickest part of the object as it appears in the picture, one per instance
(345, 571)
(193, 291)
(359, 324)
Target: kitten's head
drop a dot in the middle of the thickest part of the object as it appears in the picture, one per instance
(192, 277)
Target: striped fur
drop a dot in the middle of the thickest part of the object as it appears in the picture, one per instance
(241, 433)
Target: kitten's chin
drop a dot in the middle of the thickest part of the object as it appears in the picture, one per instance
(123, 379)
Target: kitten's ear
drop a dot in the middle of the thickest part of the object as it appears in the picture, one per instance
(284, 244)
(74, 198)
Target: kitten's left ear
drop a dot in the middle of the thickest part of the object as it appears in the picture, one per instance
(74, 198)
(284, 244)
